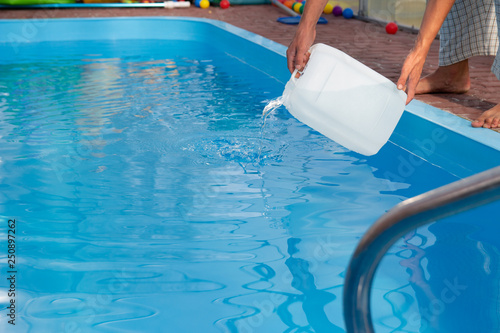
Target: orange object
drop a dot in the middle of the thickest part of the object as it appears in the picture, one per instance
(289, 3)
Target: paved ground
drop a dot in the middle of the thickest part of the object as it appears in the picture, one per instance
(367, 42)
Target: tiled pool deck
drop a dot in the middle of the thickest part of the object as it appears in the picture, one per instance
(367, 42)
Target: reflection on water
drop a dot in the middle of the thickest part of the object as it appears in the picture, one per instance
(148, 194)
(452, 275)
(313, 300)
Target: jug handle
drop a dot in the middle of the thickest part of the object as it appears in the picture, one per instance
(294, 74)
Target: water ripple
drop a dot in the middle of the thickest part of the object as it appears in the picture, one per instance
(150, 189)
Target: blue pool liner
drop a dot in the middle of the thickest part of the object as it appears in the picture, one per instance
(437, 136)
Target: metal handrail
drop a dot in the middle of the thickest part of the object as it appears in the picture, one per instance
(451, 199)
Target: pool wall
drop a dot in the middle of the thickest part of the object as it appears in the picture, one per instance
(437, 136)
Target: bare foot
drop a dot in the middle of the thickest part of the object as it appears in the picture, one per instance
(489, 119)
(446, 79)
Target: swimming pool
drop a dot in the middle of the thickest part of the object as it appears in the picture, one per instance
(148, 194)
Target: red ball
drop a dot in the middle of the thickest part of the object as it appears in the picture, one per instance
(391, 28)
(224, 4)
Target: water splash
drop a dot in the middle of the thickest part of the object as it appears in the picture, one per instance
(271, 106)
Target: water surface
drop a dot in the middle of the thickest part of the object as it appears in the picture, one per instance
(148, 193)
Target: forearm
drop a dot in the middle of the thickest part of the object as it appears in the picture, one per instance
(297, 53)
(434, 16)
(311, 14)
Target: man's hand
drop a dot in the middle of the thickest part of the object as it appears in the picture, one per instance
(411, 71)
(435, 13)
(298, 52)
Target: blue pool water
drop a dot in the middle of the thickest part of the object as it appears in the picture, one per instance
(149, 196)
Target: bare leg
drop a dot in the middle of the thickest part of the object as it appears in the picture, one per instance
(446, 79)
(489, 119)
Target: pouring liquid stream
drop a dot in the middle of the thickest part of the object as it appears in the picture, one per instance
(271, 106)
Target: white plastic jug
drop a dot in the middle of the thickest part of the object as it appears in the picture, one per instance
(345, 100)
